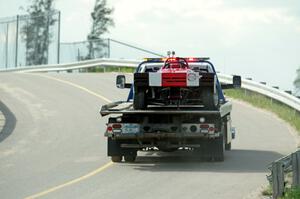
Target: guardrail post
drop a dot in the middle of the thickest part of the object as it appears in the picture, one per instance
(58, 38)
(245, 92)
(296, 168)
(108, 48)
(271, 101)
(6, 46)
(277, 179)
(17, 42)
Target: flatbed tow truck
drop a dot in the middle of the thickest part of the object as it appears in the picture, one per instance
(174, 103)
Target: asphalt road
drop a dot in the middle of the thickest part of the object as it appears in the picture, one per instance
(52, 146)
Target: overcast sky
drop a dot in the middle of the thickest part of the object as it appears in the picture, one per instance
(254, 38)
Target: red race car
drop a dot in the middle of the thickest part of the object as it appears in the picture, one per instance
(175, 82)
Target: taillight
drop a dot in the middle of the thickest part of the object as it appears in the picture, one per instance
(116, 126)
(207, 128)
(204, 126)
(211, 129)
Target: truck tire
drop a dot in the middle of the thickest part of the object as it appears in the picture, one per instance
(219, 149)
(139, 101)
(211, 150)
(228, 146)
(129, 158)
(210, 99)
(116, 158)
(114, 150)
(214, 149)
(225, 133)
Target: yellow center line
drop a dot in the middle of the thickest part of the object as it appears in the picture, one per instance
(70, 182)
(76, 86)
(92, 173)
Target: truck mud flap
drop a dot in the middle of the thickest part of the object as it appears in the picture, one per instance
(114, 149)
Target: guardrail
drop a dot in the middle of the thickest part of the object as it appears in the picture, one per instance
(266, 90)
(271, 92)
(280, 168)
(103, 62)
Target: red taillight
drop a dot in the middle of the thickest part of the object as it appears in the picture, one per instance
(211, 129)
(204, 126)
(109, 128)
(117, 126)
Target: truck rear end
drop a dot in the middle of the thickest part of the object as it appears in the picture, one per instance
(129, 133)
(170, 109)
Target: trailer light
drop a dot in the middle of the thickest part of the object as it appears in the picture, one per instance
(109, 128)
(117, 126)
(204, 131)
(155, 59)
(202, 119)
(197, 59)
(204, 126)
(173, 59)
(117, 130)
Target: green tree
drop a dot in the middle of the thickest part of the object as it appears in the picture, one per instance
(297, 83)
(102, 20)
(36, 32)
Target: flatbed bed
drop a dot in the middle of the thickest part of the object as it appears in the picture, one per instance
(123, 107)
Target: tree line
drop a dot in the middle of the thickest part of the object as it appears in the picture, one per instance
(37, 34)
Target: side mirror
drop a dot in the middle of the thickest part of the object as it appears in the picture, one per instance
(120, 81)
(237, 81)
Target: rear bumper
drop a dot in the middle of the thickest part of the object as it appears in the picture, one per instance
(161, 135)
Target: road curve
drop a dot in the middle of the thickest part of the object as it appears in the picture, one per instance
(53, 146)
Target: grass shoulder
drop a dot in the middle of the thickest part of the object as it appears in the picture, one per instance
(281, 110)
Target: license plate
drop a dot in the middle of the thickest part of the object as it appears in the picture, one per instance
(131, 128)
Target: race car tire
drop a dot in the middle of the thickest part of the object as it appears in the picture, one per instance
(139, 101)
(210, 99)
